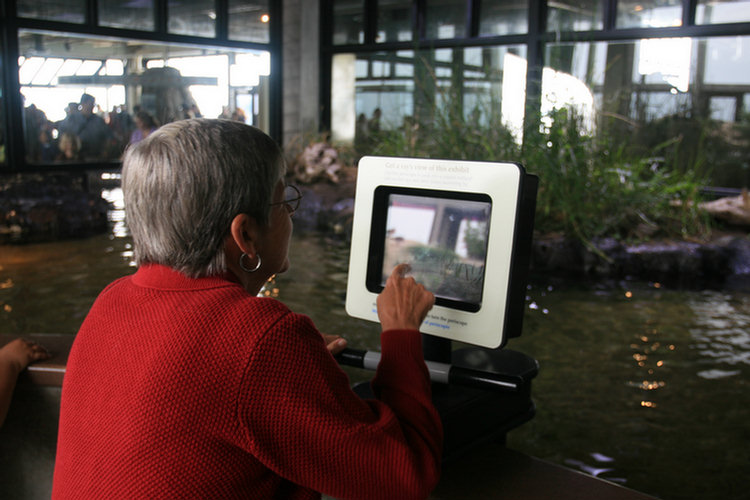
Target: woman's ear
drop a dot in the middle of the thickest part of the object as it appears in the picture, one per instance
(244, 233)
(244, 238)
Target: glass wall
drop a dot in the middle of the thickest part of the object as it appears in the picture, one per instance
(722, 11)
(249, 21)
(348, 22)
(192, 17)
(503, 17)
(652, 91)
(661, 91)
(649, 13)
(69, 11)
(127, 14)
(394, 21)
(575, 15)
(86, 98)
(83, 97)
(446, 19)
(395, 100)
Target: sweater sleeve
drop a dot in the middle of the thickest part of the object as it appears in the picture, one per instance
(303, 421)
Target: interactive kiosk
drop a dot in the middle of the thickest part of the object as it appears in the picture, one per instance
(465, 228)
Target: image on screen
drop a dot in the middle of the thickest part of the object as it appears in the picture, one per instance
(444, 240)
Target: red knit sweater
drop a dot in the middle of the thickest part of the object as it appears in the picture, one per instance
(180, 388)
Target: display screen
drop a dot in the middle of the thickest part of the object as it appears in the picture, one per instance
(442, 235)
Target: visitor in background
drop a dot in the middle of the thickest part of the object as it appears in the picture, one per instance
(183, 383)
(47, 146)
(239, 115)
(15, 356)
(361, 134)
(373, 126)
(70, 147)
(226, 113)
(90, 129)
(68, 123)
(35, 121)
(144, 125)
(121, 125)
(191, 111)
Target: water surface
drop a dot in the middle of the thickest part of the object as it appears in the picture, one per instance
(639, 385)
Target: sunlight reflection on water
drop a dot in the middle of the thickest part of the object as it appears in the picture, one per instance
(117, 214)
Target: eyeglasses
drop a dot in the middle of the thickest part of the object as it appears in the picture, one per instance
(292, 197)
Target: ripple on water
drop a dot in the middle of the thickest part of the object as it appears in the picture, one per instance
(721, 330)
(717, 374)
(653, 381)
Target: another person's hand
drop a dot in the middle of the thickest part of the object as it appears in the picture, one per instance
(20, 353)
(403, 303)
(15, 356)
(334, 343)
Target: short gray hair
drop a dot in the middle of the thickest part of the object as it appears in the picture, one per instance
(185, 183)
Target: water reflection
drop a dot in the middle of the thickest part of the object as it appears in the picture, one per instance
(721, 332)
(646, 388)
(49, 287)
(597, 469)
(653, 378)
(116, 215)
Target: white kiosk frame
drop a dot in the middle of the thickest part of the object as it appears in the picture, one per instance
(504, 190)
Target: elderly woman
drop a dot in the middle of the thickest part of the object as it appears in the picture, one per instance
(183, 383)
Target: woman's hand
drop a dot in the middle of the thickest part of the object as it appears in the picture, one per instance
(334, 343)
(403, 303)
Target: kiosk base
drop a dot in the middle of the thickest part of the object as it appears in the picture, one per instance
(472, 417)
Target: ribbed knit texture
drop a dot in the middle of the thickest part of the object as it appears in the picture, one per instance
(180, 388)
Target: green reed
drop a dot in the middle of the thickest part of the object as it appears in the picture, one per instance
(592, 185)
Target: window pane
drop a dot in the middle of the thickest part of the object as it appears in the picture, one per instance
(722, 11)
(394, 21)
(675, 99)
(446, 19)
(348, 22)
(249, 21)
(452, 103)
(575, 15)
(502, 17)
(71, 11)
(127, 14)
(192, 17)
(648, 13)
(123, 77)
(722, 108)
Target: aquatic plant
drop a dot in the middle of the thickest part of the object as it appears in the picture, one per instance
(592, 186)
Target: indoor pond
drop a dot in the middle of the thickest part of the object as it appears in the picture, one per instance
(639, 385)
